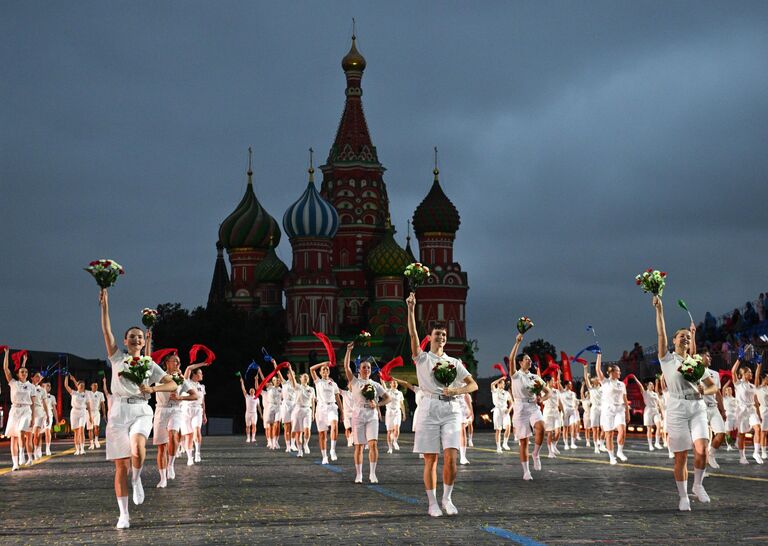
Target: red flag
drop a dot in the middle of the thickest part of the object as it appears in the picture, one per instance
(626, 379)
(17, 357)
(394, 363)
(270, 376)
(424, 343)
(3, 348)
(537, 361)
(725, 374)
(209, 355)
(328, 348)
(500, 367)
(158, 356)
(581, 361)
(567, 376)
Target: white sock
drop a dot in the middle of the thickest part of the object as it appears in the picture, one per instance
(757, 448)
(743, 453)
(15, 460)
(463, 452)
(432, 497)
(682, 489)
(323, 453)
(163, 474)
(698, 477)
(122, 502)
(526, 469)
(536, 449)
(447, 490)
(136, 473)
(171, 460)
(333, 445)
(197, 448)
(650, 444)
(359, 469)
(373, 468)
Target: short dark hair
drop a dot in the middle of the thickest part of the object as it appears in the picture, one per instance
(438, 326)
(133, 328)
(519, 358)
(704, 351)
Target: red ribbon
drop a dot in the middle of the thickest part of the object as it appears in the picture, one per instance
(537, 361)
(567, 375)
(158, 356)
(424, 343)
(626, 379)
(394, 363)
(725, 374)
(3, 348)
(270, 376)
(17, 359)
(209, 355)
(328, 348)
(501, 369)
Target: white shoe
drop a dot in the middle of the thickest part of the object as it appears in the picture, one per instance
(621, 456)
(300, 453)
(306, 449)
(247, 440)
(98, 445)
(359, 478)
(333, 455)
(464, 460)
(189, 461)
(684, 505)
(421, 455)
(288, 449)
(603, 448)
(138, 492)
(162, 483)
(505, 446)
(613, 459)
(396, 445)
(671, 455)
(527, 476)
(566, 447)
(349, 443)
(743, 460)
(597, 450)
(701, 494)
(449, 507)
(551, 455)
(470, 443)
(171, 472)
(389, 451)
(557, 451)
(197, 458)
(728, 447)
(15, 467)
(650, 447)
(123, 523)
(757, 458)
(588, 444)
(48, 452)
(372, 478)
(325, 460)
(498, 449)
(657, 445)
(28, 463)
(573, 445)
(711, 460)
(434, 511)
(90, 447)
(537, 463)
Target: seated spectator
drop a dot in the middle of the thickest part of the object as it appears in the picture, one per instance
(761, 307)
(750, 315)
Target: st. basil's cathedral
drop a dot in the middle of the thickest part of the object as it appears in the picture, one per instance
(346, 273)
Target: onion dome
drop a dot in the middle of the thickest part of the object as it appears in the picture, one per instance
(311, 215)
(436, 213)
(388, 259)
(249, 225)
(271, 269)
(353, 61)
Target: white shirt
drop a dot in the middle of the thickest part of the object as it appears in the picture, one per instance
(745, 393)
(586, 403)
(39, 396)
(346, 399)
(251, 404)
(125, 388)
(22, 393)
(360, 405)
(568, 399)
(164, 398)
(676, 383)
(500, 397)
(731, 405)
(596, 395)
(288, 394)
(326, 391)
(424, 364)
(762, 398)
(200, 388)
(51, 401)
(96, 398)
(396, 398)
(551, 403)
(613, 392)
(521, 385)
(79, 400)
(304, 395)
(271, 396)
(651, 401)
(711, 399)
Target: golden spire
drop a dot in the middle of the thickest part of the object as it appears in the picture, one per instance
(311, 169)
(353, 60)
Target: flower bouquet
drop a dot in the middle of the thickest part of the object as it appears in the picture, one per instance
(692, 368)
(417, 275)
(368, 391)
(524, 324)
(363, 339)
(537, 387)
(177, 378)
(105, 272)
(148, 317)
(444, 372)
(138, 369)
(652, 280)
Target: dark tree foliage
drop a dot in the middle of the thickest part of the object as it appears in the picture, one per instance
(468, 356)
(539, 347)
(236, 337)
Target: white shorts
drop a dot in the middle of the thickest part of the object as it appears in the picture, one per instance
(500, 418)
(286, 411)
(525, 417)
(594, 416)
(764, 421)
(731, 421)
(325, 414)
(48, 421)
(78, 418)
(651, 418)
(125, 420)
(251, 418)
(715, 420)
(570, 417)
(95, 421)
(468, 415)
(747, 419)
(686, 422)
(271, 414)
(438, 424)
(40, 418)
(415, 419)
(585, 419)
(552, 421)
(192, 419)
(365, 431)
(611, 417)
(19, 420)
(393, 419)
(165, 419)
(301, 418)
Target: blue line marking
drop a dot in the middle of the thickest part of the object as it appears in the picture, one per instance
(509, 535)
(393, 495)
(332, 468)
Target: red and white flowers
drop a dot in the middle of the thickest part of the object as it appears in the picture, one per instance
(524, 324)
(363, 339)
(652, 280)
(692, 368)
(444, 372)
(417, 274)
(148, 317)
(138, 369)
(105, 272)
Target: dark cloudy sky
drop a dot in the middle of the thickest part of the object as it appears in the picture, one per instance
(581, 142)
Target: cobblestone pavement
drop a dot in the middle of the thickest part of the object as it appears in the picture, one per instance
(243, 493)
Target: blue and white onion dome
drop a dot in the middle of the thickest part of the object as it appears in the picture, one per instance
(311, 215)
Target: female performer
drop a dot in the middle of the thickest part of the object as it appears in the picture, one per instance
(301, 417)
(78, 415)
(748, 418)
(52, 415)
(271, 396)
(288, 394)
(41, 411)
(327, 411)
(614, 413)
(570, 415)
(651, 413)
(552, 420)
(502, 405)
(252, 410)
(395, 415)
(762, 400)
(194, 414)
(586, 405)
(21, 415)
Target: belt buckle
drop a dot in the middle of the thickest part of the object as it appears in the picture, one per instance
(444, 397)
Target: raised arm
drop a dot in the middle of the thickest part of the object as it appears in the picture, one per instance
(313, 370)
(291, 376)
(6, 369)
(106, 325)
(404, 384)
(599, 368)
(148, 345)
(735, 370)
(759, 360)
(242, 387)
(66, 384)
(191, 368)
(661, 328)
(639, 384)
(347, 368)
(412, 332)
(513, 354)
(104, 386)
(692, 348)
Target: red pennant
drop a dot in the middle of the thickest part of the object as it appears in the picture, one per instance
(581, 361)
(328, 348)
(567, 375)
(500, 367)
(209, 355)
(394, 363)
(424, 343)
(270, 376)
(626, 379)
(725, 374)
(158, 356)
(17, 357)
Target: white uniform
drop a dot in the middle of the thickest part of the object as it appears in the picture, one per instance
(394, 409)
(596, 397)
(612, 408)
(192, 410)
(365, 419)
(651, 413)
(526, 411)
(467, 411)
(762, 399)
(301, 417)
(440, 418)
(288, 394)
(346, 399)
(745, 395)
(251, 410)
(686, 413)
(570, 407)
(271, 396)
(51, 403)
(40, 414)
(78, 415)
(586, 404)
(418, 396)
(95, 400)
(500, 411)
(129, 411)
(714, 417)
(20, 415)
(168, 413)
(552, 418)
(731, 412)
(327, 410)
